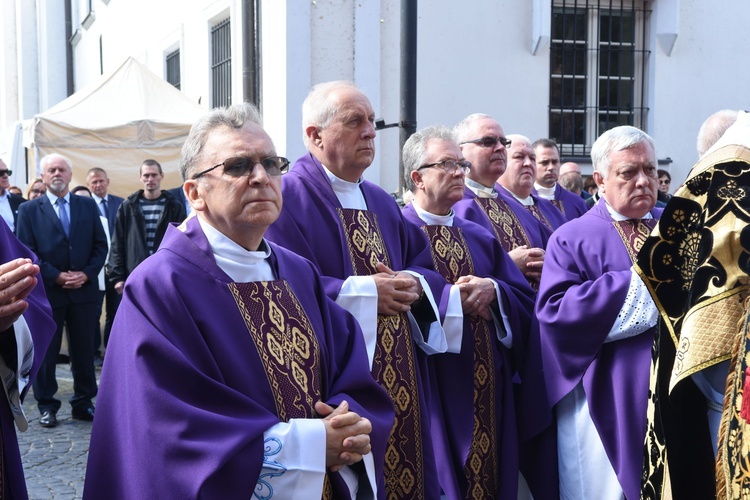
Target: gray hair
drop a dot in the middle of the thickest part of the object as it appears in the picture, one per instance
(320, 108)
(55, 156)
(413, 154)
(463, 127)
(617, 139)
(571, 181)
(713, 128)
(236, 117)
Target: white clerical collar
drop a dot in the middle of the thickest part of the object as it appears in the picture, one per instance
(432, 219)
(545, 192)
(527, 202)
(480, 190)
(53, 197)
(241, 265)
(348, 193)
(619, 217)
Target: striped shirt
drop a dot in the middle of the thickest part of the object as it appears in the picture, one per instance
(152, 211)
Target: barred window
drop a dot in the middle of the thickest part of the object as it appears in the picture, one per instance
(598, 63)
(221, 65)
(173, 68)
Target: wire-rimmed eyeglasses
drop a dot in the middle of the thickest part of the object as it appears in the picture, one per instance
(450, 166)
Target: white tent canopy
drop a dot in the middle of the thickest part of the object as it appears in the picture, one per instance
(126, 117)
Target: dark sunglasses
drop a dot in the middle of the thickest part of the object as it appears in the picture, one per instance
(240, 166)
(5, 172)
(490, 141)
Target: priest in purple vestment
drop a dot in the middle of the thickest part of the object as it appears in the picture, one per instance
(483, 143)
(230, 373)
(475, 432)
(596, 324)
(373, 262)
(546, 185)
(26, 329)
(518, 179)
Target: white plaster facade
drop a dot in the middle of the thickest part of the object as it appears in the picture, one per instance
(487, 56)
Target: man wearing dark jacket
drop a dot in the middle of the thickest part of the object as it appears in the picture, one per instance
(141, 222)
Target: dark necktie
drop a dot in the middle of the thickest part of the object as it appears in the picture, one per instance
(103, 207)
(63, 214)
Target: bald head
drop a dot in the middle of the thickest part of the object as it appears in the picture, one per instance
(569, 166)
(713, 128)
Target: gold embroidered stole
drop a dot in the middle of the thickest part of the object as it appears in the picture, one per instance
(633, 233)
(537, 213)
(452, 260)
(508, 229)
(394, 364)
(559, 205)
(287, 347)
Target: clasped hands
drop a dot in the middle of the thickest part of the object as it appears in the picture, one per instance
(347, 435)
(397, 291)
(477, 296)
(17, 280)
(71, 279)
(529, 261)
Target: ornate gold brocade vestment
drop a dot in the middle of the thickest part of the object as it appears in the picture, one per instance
(452, 259)
(394, 364)
(696, 267)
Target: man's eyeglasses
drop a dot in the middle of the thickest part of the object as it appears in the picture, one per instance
(489, 141)
(5, 172)
(240, 166)
(450, 166)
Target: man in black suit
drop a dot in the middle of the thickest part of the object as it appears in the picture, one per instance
(65, 232)
(179, 193)
(98, 182)
(9, 202)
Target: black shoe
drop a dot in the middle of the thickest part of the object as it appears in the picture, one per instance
(48, 419)
(86, 414)
(98, 361)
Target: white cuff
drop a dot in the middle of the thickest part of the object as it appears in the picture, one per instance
(637, 314)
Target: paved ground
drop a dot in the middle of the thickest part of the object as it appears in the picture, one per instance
(54, 460)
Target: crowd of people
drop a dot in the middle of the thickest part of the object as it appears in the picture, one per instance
(291, 331)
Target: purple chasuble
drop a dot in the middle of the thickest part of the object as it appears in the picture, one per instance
(478, 381)
(585, 280)
(311, 226)
(568, 203)
(545, 212)
(190, 388)
(474, 209)
(38, 317)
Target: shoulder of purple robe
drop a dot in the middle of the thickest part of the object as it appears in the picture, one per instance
(38, 315)
(309, 226)
(584, 283)
(553, 214)
(536, 231)
(574, 205)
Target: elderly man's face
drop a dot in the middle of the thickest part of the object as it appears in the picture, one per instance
(547, 166)
(243, 207)
(631, 182)
(57, 176)
(487, 163)
(347, 146)
(521, 172)
(437, 189)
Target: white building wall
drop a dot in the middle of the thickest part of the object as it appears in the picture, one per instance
(708, 70)
(472, 57)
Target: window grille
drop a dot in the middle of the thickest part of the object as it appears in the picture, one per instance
(221, 65)
(173, 68)
(598, 62)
